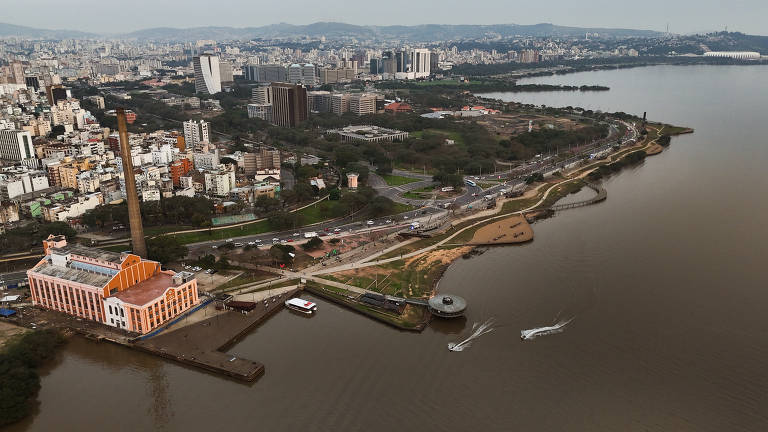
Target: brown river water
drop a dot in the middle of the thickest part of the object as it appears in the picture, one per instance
(665, 282)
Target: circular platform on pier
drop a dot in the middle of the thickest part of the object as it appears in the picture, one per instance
(447, 305)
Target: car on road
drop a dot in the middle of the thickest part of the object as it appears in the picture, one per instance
(290, 240)
(238, 245)
(337, 230)
(186, 267)
(405, 217)
(275, 240)
(197, 269)
(214, 247)
(327, 229)
(229, 240)
(296, 234)
(251, 243)
(389, 221)
(369, 223)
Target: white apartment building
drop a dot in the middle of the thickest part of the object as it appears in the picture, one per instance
(219, 183)
(206, 160)
(195, 132)
(16, 145)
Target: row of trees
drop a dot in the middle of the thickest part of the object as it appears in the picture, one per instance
(31, 236)
(177, 210)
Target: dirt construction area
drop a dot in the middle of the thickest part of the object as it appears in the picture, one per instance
(514, 229)
(7, 331)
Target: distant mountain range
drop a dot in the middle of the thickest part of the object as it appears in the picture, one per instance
(420, 33)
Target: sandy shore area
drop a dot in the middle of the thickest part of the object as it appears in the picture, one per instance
(514, 229)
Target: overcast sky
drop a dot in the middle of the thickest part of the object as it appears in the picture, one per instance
(683, 16)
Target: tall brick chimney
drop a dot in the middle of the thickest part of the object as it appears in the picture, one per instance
(134, 212)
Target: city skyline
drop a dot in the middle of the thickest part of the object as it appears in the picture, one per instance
(690, 16)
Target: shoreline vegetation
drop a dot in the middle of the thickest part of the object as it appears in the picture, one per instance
(20, 359)
(485, 84)
(527, 70)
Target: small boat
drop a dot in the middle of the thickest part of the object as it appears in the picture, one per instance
(301, 305)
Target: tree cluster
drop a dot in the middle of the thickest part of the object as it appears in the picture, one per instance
(19, 380)
(177, 210)
(31, 236)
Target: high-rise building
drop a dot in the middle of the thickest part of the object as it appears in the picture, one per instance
(339, 103)
(388, 64)
(207, 74)
(121, 290)
(195, 132)
(16, 145)
(375, 67)
(302, 74)
(262, 159)
(261, 95)
(434, 61)
(225, 72)
(266, 73)
(17, 72)
(529, 56)
(420, 62)
(362, 103)
(401, 61)
(289, 104)
(319, 101)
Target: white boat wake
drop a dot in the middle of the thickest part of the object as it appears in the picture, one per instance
(543, 331)
(477, 331)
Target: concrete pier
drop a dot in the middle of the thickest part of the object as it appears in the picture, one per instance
(202, 344)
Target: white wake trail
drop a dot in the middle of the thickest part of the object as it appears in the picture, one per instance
(477, 331)
(543, 331)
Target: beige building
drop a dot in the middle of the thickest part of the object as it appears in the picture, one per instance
(362, 104)
(68, 176)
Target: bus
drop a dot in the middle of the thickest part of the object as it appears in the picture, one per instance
(470, 183)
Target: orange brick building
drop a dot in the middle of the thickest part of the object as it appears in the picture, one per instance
(178, 169)
(118, 289)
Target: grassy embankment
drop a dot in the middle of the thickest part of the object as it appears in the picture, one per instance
(414, 318)
(245, 278)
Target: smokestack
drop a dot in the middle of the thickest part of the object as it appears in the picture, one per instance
(134, 212)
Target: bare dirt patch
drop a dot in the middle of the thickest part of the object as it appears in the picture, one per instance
(514, 229)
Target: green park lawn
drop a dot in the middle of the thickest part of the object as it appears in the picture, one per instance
(394, 180)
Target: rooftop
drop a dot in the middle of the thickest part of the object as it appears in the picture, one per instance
(146, 291)
(94, 253)
(72, 274)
